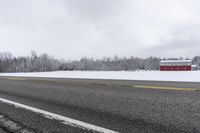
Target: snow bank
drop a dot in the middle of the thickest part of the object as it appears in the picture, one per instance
(189, 76)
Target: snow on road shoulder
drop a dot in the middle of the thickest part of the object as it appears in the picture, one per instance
(187, 76)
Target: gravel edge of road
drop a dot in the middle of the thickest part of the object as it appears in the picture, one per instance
(9, 125)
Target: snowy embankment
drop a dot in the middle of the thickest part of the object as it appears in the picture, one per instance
(187, 76)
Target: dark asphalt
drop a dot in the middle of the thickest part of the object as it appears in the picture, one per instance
(111, 104)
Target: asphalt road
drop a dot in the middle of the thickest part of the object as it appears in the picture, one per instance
(122, 106)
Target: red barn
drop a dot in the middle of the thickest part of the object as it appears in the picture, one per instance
(176, 65)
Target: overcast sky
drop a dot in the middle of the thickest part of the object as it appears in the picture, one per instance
(71, 29)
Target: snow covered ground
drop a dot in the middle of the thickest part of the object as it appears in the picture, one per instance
(190, 76)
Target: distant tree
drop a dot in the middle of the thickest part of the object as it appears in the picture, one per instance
(196, 61)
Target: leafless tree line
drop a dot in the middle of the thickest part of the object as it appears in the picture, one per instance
(33, 63)
(44, 62)
(113, 64)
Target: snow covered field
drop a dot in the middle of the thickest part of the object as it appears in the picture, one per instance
(190, 76)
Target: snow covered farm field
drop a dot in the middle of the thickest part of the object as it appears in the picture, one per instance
(188, 76)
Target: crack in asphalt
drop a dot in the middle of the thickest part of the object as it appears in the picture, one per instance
(11, 126)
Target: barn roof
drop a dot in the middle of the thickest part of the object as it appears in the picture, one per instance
(174, 61)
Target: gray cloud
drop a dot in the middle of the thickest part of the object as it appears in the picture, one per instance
(96, 28)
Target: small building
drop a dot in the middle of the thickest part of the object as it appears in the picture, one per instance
(176, 65)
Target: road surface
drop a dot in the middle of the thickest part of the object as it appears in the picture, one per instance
(116, 105)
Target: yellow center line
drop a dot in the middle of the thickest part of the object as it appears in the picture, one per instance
(165, 88)
(15, 78)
